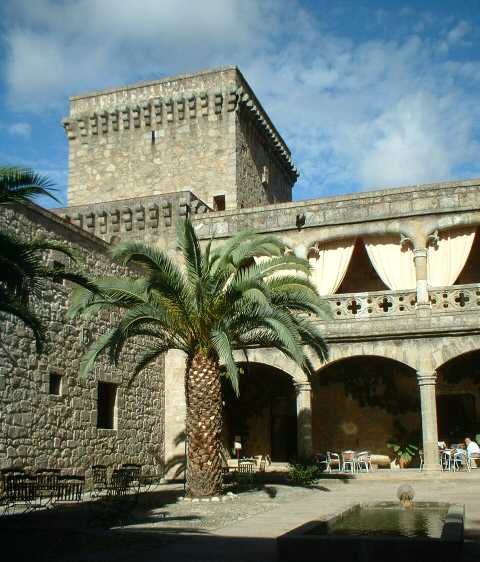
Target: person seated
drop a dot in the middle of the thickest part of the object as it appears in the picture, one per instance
(472, 447)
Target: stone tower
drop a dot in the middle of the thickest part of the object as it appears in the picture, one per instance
(205, 132)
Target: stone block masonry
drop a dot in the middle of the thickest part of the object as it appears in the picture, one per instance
(41, 428)
(205, 131)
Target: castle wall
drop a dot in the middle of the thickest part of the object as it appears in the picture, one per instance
(153, 139)
(260, 174)
(39, 429)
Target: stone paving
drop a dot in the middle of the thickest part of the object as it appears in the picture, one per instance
(243, 528)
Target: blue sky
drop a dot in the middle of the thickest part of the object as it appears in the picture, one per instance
(367, 94)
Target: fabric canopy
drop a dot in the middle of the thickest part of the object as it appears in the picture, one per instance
(446, 260)
(330, 264)
(394, 264)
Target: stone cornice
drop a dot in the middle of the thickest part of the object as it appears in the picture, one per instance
(391, 330)
(439, 199)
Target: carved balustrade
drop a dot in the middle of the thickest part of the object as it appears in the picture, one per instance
(455, 299)
(373, 304)
(376, 304)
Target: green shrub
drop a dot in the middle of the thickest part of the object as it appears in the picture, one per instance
(303, 474)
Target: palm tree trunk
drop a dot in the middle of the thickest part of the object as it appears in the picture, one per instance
(204, 426)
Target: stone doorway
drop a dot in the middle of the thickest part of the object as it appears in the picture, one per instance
(263, 415)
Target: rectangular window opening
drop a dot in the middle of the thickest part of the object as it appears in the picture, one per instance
(55, 384)
(219, 203)
(106, 405)
(60, 267)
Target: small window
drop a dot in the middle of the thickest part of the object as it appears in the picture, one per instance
(219, 203)
(60, 267)
(55, 384)
(153, 137)
(106, 405)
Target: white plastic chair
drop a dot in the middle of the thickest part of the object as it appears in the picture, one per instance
(460, 459)
(447, 460)
(362, 461)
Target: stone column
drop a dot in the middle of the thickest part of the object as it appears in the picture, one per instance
(175, 411)
(420, 260)
(303, 391)
(426, 382)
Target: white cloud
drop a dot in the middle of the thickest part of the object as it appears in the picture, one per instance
(20, 129)
(458, 32)
(60, 48)
(357, 114)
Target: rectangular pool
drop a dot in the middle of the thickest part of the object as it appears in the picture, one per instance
(379, 532)
(387, 519)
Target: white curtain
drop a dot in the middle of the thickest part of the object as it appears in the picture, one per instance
(447, 259)
(330, 264)
(394, 264)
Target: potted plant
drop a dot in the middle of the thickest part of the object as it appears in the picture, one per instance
(404, 444)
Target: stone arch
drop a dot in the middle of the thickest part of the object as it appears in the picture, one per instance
(451, 348)
(403, 353)
(263, 416)
(275, 359)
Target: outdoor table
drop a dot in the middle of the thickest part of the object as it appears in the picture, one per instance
(348, 459)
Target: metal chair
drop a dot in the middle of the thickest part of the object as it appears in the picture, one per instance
(69, 490)
(19, 489)
(47, 482)
(132, 473)
(99, 479)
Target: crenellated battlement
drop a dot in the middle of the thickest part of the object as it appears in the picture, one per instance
(151, 113)
(205, 130)
(139, 217)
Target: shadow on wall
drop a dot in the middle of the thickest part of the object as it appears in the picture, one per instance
(175, 467)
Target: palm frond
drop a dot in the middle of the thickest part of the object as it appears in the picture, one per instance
(18, 185)
(20, 310)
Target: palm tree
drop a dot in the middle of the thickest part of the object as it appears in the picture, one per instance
(220, 302)
(23, 271)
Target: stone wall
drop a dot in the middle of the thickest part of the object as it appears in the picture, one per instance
(172, 134)
(260, 175)
(39, 429)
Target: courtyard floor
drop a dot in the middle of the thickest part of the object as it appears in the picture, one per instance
(243, 528)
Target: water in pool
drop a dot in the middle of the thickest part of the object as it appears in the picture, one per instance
(387, 519)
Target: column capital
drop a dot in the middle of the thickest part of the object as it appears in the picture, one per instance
(302, 386)
(426, 378)
(419, 253)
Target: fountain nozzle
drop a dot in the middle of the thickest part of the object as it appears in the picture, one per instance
(405, 494)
